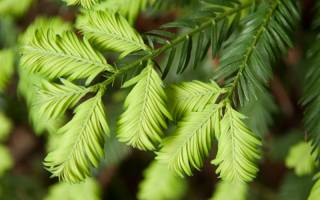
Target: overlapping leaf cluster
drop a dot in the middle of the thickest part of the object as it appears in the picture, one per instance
(73, 73)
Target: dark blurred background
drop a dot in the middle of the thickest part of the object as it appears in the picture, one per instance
(122, 170)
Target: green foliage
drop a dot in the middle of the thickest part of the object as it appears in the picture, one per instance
(56, 64)
(5, 127)
(28, 87)
(315, 191)
(246, 61)
(14, 7)
(160, 183)
(210, 26)
(110, 31)
(6, 67)
(191, 142)
(82, 143)
(142, 123)
(301, 159)
(238, 148)
(127, 8)
(53, 99)
(192, 97)
(81, 191)
(84, 3)
(44, 24)
(230, 191)
(57, 56)
(311, 95)
(30, 83)
(6, 160)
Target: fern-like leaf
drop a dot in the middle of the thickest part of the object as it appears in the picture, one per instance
(53, 99)
(192, 97)
(238, 148)
(55, 56)
(81, 146)
(28, 87)
(142, 123)
(190, 144)
(160, 183)
(110, 31)
(246, 61)
(44, 24)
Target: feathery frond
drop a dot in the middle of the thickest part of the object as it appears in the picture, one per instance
(192, 96)
(44, 24)
(56, 56)
(160, 183)
(301, 159)
(230, 191)
(142, 123)
(315, 191)
(87, 190)
(246, 61)
(213, 31)
(191, 142)
(53, 99)
(238, 148)
(110, 31)
(28, 88)
(81, 146)
(6, 67)
(84, 3)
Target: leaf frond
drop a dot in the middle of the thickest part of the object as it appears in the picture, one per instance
(110, 31)
(53, 99)
(142, 123)
(57, 56)
(191, 142)
(192, 96)
(44, 24)
(82, 144)
(238, 148)
(246, 61)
